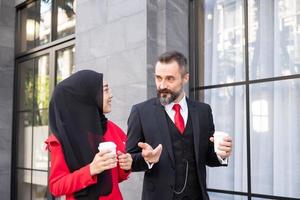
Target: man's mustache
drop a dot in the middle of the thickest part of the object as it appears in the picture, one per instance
(164, 91)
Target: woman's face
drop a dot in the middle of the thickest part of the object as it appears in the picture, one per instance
(107, 98)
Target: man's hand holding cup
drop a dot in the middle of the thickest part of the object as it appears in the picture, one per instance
(222, 144)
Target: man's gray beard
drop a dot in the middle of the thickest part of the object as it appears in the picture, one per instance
(168, 99)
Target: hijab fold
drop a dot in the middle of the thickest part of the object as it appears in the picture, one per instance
(76, 119)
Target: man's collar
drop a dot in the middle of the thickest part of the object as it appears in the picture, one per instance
(182, 103)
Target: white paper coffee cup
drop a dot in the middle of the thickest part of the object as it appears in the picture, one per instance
(108, 145)
(218, 137)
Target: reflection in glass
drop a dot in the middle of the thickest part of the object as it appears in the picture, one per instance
(27, 27)
(275, 138)
(223, 42)
(228, 109)
(24, 184)
(274, 48)
(66, 10)
(65, 63)
(40, 134)
(43, 22)
(35, 24)
(24, 140)
(25, 71)
(220, 196)
(39, 187)
(42, 78)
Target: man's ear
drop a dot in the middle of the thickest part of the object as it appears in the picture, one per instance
(186, 78)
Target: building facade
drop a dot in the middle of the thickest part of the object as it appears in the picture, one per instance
(243, 61)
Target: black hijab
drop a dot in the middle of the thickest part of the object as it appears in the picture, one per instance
(77, 120)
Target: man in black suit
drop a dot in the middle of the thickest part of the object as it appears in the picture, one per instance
(182, 132)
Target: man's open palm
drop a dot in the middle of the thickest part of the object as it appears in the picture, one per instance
(150, 155)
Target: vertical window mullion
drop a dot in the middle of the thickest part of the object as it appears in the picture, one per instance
(54, 21)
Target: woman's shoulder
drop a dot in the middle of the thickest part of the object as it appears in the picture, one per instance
(115, 129)
(51, 142)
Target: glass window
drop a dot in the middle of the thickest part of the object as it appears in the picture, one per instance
(66, 10)
(39, 185)
(43, 22)
(40, 22)
(274, 48)
(40, 134)
(228, 109)
(42, 78)
(220, 196)
(271, 105)
(223, 42)
(24, 184)
(27, 27)
(35, 25)
(24, 140)
(65, 63)
(26, 85)
(275, 139)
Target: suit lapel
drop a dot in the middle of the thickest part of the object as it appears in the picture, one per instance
(164, 130)
(195, 121)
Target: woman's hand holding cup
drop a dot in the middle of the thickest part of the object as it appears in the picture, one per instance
(105, 159)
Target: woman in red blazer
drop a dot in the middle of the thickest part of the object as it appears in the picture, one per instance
(78, 124)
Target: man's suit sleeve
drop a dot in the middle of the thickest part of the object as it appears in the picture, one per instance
(135, 135)
(211, 157)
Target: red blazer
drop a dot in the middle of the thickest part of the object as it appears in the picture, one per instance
(62, 182)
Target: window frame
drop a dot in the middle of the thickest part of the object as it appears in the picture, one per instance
(196, 92)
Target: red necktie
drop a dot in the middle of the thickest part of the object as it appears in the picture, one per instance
(178, 119)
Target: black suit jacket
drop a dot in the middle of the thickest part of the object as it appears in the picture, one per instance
(147, 123)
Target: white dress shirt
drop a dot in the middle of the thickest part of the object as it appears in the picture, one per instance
(183, 110)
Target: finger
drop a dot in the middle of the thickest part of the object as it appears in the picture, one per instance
(224, 148)
(122, 156)
(119, 153)
(105, 157)
(157, 150)
(227, 139)
(105, 151)
(144, 145)
(224, 143)
(212, 139)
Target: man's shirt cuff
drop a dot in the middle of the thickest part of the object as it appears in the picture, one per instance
(222, 161)
(150, 165)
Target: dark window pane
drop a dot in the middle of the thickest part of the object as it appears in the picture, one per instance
(26, 84)
(40, 134)
(65, 63)
(24, 140)
(275, 138)
(24, 184)
(66, 10)
(42, 85)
